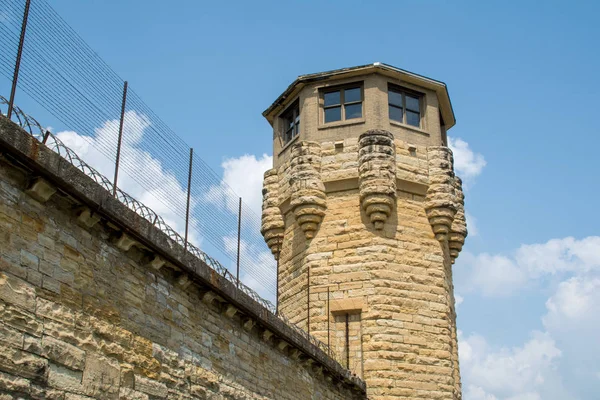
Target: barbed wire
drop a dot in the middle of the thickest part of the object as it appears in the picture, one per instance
(35, 129)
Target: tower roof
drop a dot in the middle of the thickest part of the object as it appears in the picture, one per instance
(439, 87)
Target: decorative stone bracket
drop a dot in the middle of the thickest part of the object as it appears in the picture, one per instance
(458, 231)
(441, 198)
(308, 199)
(272, 225)
(377, 175)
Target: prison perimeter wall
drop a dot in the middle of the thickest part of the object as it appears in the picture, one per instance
(96, 302)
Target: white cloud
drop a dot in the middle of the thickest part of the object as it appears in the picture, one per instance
(498, 274)
(471, 224)
(467, 164)
(243, 175)
(561, 362)
(572, 318)
(560, 255)
(458, 299)
(140, 175)
(491, 275)
(525, 372)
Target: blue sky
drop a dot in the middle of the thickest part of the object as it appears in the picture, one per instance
(523, 81)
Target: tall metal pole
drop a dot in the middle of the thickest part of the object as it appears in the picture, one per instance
(123, 104)
(11, 101)
(189, 192)
(277, 284)
(239, 240)
(328, 319)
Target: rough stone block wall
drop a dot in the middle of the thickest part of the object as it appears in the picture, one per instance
(394, 276)
(81, 319)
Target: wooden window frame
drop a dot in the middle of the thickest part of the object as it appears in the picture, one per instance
(404, 91)
(342, 104)
(292, 111)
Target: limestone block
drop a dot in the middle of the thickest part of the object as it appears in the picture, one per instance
(151, 387)
(16, 291)
(458, 230)
(249, 324)
(272, 226)
(125, 242)
(440, 204)
(57, 351)
(157, 263)
(23, 364)
(101, 377)
(230, 311)
(41, 190)
(377, 175)
(86, 217)
(64, 378)
(308, 198)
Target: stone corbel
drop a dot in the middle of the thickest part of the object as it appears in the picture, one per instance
(440, 204)
(308, 199)
(377, 175)
(272, 226)
(41, 190)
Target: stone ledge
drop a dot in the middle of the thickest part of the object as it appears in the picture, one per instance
(43, 162)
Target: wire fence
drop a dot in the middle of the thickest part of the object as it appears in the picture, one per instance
(109, 131)
(107, 127)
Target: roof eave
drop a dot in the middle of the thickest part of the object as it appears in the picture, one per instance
(292, 90)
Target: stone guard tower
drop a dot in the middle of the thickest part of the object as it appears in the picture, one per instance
(366, 216)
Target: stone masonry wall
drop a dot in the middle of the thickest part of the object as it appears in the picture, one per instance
(395, 278)
(81, 318)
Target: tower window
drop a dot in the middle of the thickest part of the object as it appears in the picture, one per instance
(404, 106)
(291, 122)
(342, 103)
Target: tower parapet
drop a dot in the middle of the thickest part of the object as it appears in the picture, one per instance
(368, 215)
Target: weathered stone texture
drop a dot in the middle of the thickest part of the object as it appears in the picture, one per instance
(441, 196)
(308, 200)
(81, 318)
(385, 281)
(272, 221)
(458, 230)
(377, 175)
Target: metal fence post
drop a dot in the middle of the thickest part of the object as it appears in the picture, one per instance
(328, 322)
(123, 104)
(189, 192)
(18, 61)
(239, 240)
(277, 282)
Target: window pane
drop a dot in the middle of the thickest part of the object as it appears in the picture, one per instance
(352, 95)
(412, 103)
(413, 118)
(332, 98)
(288, 135)
(333, 114)
(353, 111)
(395, 113)
(395, 98)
